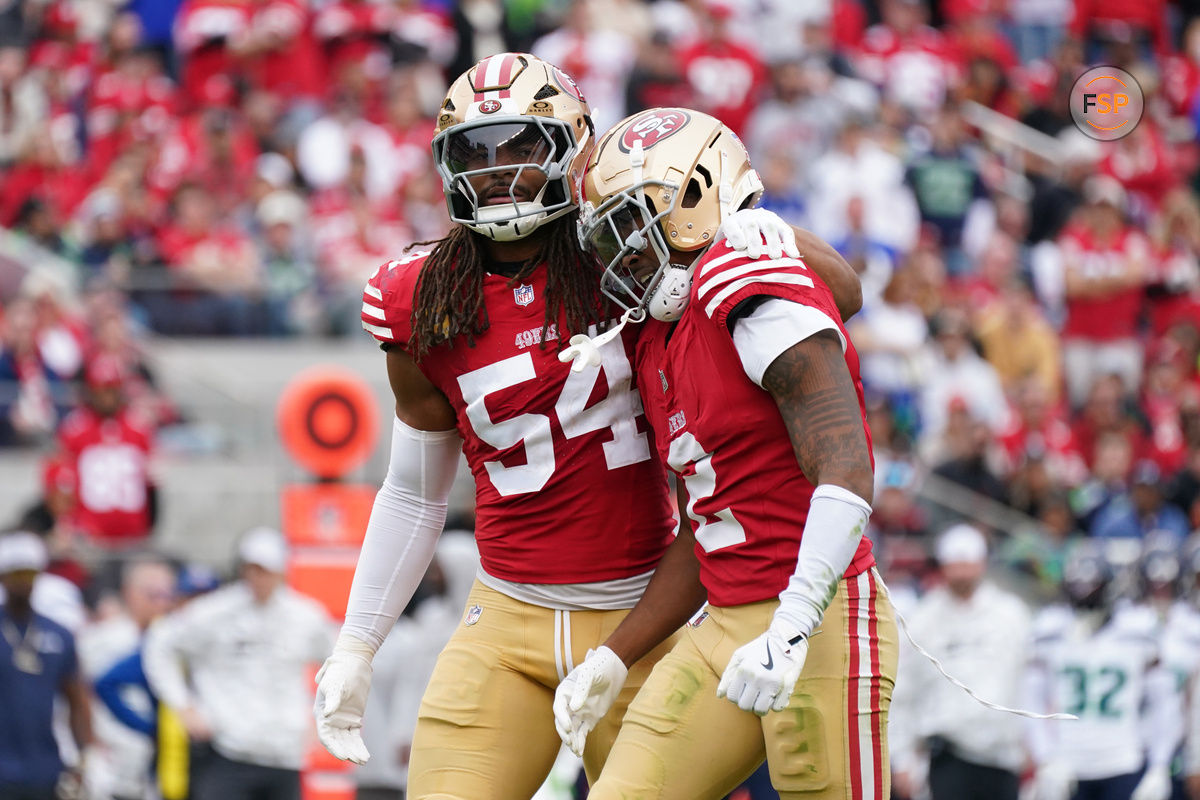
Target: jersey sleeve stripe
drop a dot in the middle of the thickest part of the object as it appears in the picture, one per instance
(373, 311)
(381, 332)
(719, 262)
(373, 292)
(757, 266)
(773, 277)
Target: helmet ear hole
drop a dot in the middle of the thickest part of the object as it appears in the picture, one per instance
(692, 195)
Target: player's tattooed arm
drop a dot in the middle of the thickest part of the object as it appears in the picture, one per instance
(673, 595)
(811, 384)
(419, 404)
(837, 273)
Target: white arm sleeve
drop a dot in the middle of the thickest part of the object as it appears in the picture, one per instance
(836, 520)
(402, 533)
(766, 333)
(1163, 721)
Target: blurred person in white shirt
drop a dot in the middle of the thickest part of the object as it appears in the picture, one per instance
(234, 665)
(147, 592)
(942, 738)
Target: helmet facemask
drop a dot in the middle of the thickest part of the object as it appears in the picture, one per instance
(627, 225)
(468, 153)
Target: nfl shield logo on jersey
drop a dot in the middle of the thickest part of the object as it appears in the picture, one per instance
(523, 294)
(473, 614)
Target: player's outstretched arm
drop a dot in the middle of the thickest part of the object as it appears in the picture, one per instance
(812, 386)
(837, 273)
(673, 595)
(401, 536)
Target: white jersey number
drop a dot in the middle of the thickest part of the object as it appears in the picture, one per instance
(618, 412)
(701, 482)
(112, 478)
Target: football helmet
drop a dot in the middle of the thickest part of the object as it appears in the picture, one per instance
(1087, 575)
(508, 115)
(661, 181)
(1160, 570)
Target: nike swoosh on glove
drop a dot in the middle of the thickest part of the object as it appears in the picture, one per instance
(586, 695)
(761, 675)
(342, 687)
(758, 231)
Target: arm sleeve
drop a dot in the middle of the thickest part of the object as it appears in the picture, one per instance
(1163, 717)
(126, 672)
(403, 530)
(836, 520)
(772, 328)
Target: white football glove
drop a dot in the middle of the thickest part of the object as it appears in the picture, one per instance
(1055, 780)
(586, 695)
(342, 687)
(758, 231)
(1154, 785)
(762, 674)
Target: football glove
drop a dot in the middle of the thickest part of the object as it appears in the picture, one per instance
(761, 675)
(1154, 785)
(758, 232)
(586, 695)
(1055, 780)
(342, 686)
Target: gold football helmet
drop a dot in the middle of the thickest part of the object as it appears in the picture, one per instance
(663, 179)
(508, 115)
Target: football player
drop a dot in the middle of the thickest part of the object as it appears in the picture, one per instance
(571, 501)
(1100, 661)
(751, 387)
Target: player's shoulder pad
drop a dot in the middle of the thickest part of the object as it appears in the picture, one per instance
(1136, 623)
(388, 298)
(1051, 624)
(724, 277)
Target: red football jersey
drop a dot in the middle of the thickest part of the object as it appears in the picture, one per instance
(1114, 315)
(723, 434)
(567, 486)
(111, 460)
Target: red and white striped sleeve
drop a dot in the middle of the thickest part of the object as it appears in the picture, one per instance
(726, 277)
(388, 300)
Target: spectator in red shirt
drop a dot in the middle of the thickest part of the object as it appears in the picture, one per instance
(1142, 23)
(726, 77)
(204, 31)
(1104, 270)
(906, 58)
(110, 453)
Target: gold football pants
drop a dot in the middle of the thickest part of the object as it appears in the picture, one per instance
(681, 742)
(485, 730)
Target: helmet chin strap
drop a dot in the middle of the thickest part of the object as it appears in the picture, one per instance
(584, 351)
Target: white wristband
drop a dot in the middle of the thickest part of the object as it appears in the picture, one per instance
(836, 521)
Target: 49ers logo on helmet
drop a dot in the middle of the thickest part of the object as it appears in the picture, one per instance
(568, 85)
(489, 106)
(651, 128)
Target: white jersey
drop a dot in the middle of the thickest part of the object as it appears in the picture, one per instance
(1101, 677)
(127, 754)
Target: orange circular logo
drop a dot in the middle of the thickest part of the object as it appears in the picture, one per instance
(328, 420)
(1106, 103)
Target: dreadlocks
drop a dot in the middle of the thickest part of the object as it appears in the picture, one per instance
(448, 300)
